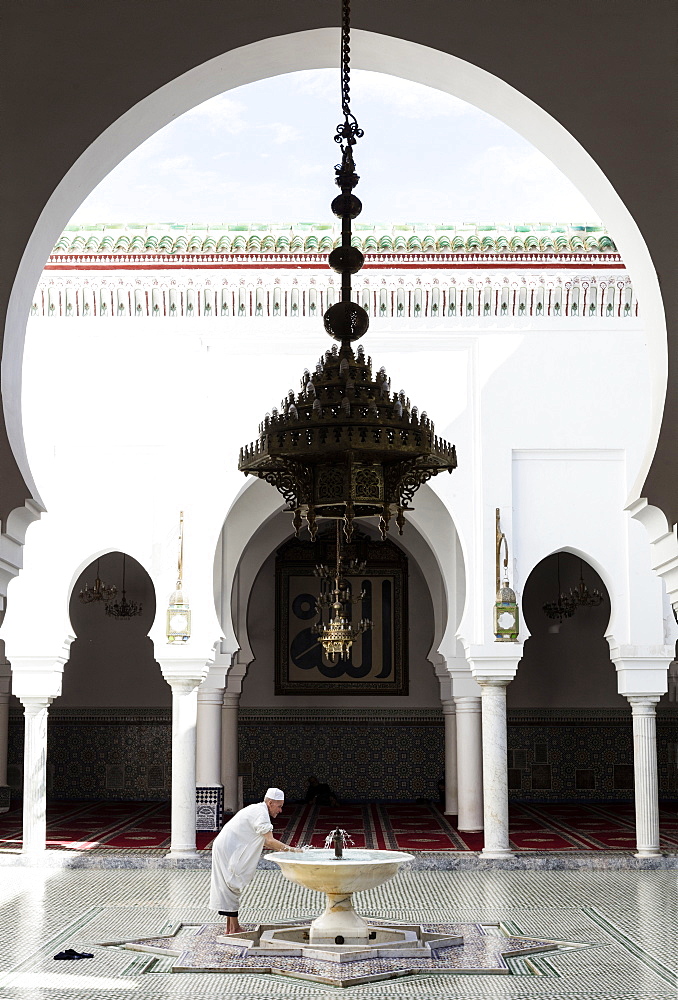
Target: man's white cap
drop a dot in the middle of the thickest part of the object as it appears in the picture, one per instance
(276, 794)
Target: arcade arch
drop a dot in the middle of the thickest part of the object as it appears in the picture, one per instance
(299, 51)
(313, 49)
(246, 592)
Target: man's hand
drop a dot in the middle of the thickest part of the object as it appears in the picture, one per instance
(271, 844)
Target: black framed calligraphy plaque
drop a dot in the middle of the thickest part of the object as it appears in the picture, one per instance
(378, 663)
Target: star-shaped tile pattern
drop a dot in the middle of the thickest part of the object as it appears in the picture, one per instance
(484, 950)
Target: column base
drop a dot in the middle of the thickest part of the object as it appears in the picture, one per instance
(496, 853)
(651, 852)
(474, 829)
(183, 853)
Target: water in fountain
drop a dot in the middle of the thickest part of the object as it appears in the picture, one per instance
(346, 839)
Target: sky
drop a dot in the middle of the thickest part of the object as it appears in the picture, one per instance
(265, 153)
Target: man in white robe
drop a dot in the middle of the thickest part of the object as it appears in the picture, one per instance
(236, 851)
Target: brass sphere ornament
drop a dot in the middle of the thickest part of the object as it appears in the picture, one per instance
(346, 321)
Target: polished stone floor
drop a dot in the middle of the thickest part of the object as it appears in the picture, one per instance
(627, 921)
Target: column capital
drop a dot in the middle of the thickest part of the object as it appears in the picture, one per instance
(642, 704)
(183, 685)
(184, 671)
(35, 705)
(449, 706)
(210, 696)
(468, 703)
(493, 682)
(230, 700)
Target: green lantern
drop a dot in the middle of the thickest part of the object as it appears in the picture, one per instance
(506, 614)
(178, 618)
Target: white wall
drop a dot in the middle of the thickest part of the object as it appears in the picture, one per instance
(130, 421)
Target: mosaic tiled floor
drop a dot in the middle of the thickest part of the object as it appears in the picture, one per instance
(626, 922)
(124, 826)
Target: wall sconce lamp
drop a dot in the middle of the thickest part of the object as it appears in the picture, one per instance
(506, 614)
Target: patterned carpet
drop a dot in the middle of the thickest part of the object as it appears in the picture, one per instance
(83, 826)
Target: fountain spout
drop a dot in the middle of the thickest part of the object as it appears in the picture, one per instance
(338, 837)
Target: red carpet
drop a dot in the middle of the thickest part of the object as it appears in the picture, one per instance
(84, 826)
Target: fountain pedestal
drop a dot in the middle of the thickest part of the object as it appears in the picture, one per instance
(339, 921)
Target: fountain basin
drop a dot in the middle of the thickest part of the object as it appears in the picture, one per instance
(339, 878)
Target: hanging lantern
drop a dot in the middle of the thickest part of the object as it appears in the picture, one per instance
(100, 591)
(506, 613)
(178, 619)
(337, 635)
(123, 610)
(347, 445)
(563, 607)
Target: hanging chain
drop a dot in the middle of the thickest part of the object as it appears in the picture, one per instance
(348, 131)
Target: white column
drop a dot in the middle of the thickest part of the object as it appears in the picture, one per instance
(642, 679)
(184, 721)
(5, 686)
(450, 716)
(645, 774)
(469, 764)
(229, 750)
(495, 768)
(35, 774)
(208, 739)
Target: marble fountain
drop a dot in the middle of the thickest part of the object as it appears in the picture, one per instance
(340, 947)
(340, 934)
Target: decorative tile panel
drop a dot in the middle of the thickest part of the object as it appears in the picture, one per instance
(363, 753)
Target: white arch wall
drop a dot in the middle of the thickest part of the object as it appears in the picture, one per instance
(574, 496)
(312, 49)
(173, 451)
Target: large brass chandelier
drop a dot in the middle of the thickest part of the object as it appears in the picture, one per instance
(338, 634)
(346, 445)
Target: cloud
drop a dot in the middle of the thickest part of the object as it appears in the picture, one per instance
(283, 133)
(407, 99)
(174, 163)
(219, 114)
(237, 157)
(410, 100)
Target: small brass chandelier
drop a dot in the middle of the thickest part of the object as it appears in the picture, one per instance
(338, 635)
(124, 609)
(99, 591)
(346, 446)
(564, 605)
(582, 596)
